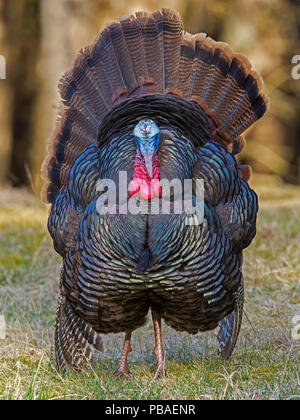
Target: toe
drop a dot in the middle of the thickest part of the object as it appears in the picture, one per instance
(122, 373)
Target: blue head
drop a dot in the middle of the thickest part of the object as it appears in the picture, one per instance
(146, 134)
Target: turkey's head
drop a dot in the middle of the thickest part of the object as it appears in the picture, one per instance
(146, 167)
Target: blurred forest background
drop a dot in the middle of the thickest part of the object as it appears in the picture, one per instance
(40, 38)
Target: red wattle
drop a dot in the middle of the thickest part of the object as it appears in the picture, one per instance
(146, 191)
(134, 187)
(141, 183)
(156, 187)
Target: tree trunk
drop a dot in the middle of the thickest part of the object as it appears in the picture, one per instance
(5, 98)
(66, 27)
(54, 59)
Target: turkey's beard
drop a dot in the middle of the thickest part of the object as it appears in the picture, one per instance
(141, 182)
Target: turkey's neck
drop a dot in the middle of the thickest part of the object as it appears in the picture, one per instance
(141, 181)
(140, 171)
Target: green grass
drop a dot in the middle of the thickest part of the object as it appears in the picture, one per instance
(265, 364)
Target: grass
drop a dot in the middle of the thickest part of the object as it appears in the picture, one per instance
(265, 364)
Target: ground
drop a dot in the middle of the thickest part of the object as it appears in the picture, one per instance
(265, 364)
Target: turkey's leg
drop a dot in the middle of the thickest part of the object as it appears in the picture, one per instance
(160, 370)
(122, 369)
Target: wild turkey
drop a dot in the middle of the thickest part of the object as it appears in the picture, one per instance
(149, 99)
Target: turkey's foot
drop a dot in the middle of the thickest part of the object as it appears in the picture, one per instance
(122, 370)
(160, 370)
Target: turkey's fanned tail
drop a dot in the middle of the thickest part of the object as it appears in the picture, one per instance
(148, 53)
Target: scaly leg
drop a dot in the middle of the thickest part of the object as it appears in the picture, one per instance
(160, 370)
(122, 369)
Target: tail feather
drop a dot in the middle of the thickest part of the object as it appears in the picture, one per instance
(169, 28)
(80, 88)
(71, 137)
(148, 53)
(101, 73)
(103, 51)
(220, 65)
(187, 55)
(199, 68)
(135, 43)
(74, 339)
(230, 88)
(122, 55)
(152, 48)
(253, 113)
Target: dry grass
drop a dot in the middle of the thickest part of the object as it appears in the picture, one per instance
(265, 364)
